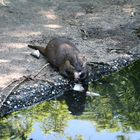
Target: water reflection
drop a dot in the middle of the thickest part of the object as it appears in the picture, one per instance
(115, 115)
(75, 101)
(119, 107)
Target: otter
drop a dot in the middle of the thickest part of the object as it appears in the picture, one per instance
(65, 57)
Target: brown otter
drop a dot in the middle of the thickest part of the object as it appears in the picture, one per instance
(63, 55)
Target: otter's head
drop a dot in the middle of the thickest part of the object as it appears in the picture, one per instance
(75, 70)
(80, 75)
(80, 69)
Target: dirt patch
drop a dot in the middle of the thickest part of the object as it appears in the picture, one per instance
(107, 25)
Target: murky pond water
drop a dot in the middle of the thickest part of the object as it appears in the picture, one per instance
(114, 115)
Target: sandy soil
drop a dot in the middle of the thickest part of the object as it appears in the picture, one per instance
(102, 29)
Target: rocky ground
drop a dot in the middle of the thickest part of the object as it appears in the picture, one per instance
(103, 30)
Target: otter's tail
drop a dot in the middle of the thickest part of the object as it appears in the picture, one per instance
(41, 49)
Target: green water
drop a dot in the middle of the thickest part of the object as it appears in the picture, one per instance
(115, 115)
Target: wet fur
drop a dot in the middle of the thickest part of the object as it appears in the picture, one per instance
(63, 55)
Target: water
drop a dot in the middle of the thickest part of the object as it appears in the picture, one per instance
(115, 115)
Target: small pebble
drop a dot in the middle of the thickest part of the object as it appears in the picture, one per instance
(36, 54)
(35, 85)
(114, 67)
(55, 84)
(15, 107)
(132, 14)
(59, 83)
(8, 102)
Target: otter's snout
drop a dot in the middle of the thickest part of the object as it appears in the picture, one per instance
(79, 76)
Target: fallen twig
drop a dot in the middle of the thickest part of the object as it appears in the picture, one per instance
(10, 84)
(13, 88)
(21, 80)
(15, 80)
(18, 84)
(40, 70)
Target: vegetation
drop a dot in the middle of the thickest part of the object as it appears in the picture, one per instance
(53, 117)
